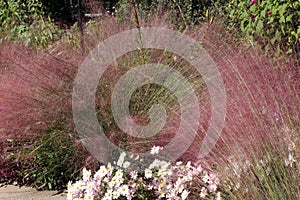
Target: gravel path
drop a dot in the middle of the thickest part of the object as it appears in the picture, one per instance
(11, 192)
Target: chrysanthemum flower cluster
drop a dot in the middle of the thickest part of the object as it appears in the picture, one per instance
(160, 180)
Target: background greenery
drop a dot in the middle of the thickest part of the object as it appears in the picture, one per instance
(275, 24)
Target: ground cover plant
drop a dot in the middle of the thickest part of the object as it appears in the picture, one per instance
(256, 157)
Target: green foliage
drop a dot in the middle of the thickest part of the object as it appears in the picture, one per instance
(24, 20)
(273, 23)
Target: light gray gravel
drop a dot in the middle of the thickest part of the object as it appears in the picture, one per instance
(10, 192)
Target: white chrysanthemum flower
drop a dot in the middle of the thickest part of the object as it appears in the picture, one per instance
(205, 178)
(212, 187)
(218, 196)
(86, 174)
(292, 146)
(133, 175)
(108, 194)
(115, 194)
(70, 194)
(164, 164)
(184, 194)
(290, 161)
(188, 165)
(121, 159)
(119, 173)
(181, 188)
(119, 181)
(78, 186)
(111, 184)
(131, 183)
(124, 190)
(154, 164)
(130, 194)
(106, 180)
(155, 150)
(160, 194)
(110, 169)
(168, 172)
(89, 196)
(126, 164)
(102, 171)
(172, 194)
(203, 192)
(160, 172)
(178, 182)
(178, 163)
(90, 186)
(187, 178)
(148, 173)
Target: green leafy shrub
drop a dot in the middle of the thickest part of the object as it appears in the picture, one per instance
(273, 23)
(20, 20)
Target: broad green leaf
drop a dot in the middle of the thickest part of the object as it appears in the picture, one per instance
(289, 18)
(263, 13)
(252, 8)
(259, 27)
(273, 40)
(277, 36)
(282, 9)
(282, 29)
(282, 19)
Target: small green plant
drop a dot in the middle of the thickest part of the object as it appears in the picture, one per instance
(275, 24)
(46, 161)
(52, 155)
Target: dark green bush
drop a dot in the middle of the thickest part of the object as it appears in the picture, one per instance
(273, 23)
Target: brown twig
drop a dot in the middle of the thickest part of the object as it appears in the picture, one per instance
(80, 25)
(182, 15)
(135, 14)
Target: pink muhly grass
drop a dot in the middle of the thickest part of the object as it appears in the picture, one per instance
(35, 90)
